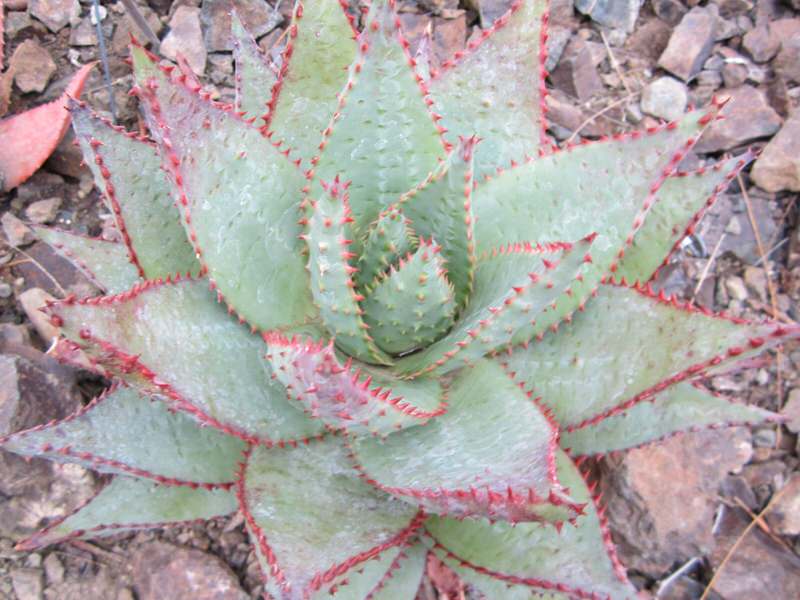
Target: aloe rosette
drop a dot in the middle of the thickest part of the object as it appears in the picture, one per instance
(422, 314)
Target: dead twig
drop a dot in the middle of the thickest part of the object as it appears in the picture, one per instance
(599, 114)
(707, 268)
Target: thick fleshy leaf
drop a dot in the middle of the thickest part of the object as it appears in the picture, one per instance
(123, 432)
(128, 172)
(359, 399)
(680, 203)
(413, 304)
(329, 236)
(504, 444)
(382, 136)
(128, 504)
(515, 288)
(683, 407)
(320, 49)
(239, 196)
(598, 187)
(441, 209)
(576, 560)
(605, 188)
(394, 575)
(106, 264)
(312, 519)
(255, 75)
(388, 238)
(627, 347)
(174, 340)
(29, 138)
(494, 89)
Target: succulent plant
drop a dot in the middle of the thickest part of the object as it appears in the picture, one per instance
(423, 314)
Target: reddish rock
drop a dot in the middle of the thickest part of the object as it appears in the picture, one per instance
(785, 29)
(415, 28)
(649, 40)
(33, 67)
(787, 63)
(759, 568)
(576, 73)
(186, 38)
(449, 36)
(761, 43)
(661, 499)
(784, 516)
(187, 574)
(691, 42)
(778, 167)
(747, 117)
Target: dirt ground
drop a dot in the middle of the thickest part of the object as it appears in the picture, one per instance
(726, 503)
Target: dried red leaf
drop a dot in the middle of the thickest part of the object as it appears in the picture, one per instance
(30, 137)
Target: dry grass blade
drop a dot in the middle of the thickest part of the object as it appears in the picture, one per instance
(739, 541)
(141, 22)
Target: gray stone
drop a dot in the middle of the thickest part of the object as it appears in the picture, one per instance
(666, 98)
(747, 117)
(617, 14)
(778, 167)
(54, 569)
(84, 34)
(791, 411)
(43, 211)
(259, 18)
(28, 584)
(185, 37)
(16, 232)
(691, 42)
(55, 14)
(32, 301)
(557, 39)
(16, 22)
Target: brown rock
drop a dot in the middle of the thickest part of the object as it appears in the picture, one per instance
(691, 42)
(187, 574)
(759, 568)
(661, 499)
(785, 29)
(748, 117)
(787, 63)
(258, 17)
(734, 74)
(55, 14)
(185, 37)
(778, 167)
(33, 67)
(733, 8)
(15, 231)
(669, 11)
(35, 389)
(784, 516)
(56, 267)
(761, 44)
(449, 36)
(67, 159)
(576, 73)
(416, 27)
(649, 40)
